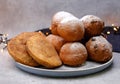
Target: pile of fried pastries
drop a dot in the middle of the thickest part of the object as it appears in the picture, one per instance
(65, 45)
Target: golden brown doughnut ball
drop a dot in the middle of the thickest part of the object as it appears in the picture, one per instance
(99, 49)
(73, 54)
(93, 25)
(57, 41)
(57, 18)
(71, 29)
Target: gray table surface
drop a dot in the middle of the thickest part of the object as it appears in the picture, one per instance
(18, 16)
(10, 74)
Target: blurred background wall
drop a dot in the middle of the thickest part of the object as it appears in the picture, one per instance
(17, 16)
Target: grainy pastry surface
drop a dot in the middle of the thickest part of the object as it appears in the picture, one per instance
(71, 29)
(99, 49)
(43, 52)
(93, 25)
(56, 19)
(73, 54)
(17, 48)
(56, 40)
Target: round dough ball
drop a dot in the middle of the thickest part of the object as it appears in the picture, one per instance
(99, 49)
(73, 54)
(57, 41)
(93, 25)
(57, 18)
(71, 29)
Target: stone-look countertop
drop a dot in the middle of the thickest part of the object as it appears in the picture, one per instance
(10, 74)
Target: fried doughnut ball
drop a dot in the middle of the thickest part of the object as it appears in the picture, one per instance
(93, 25)
(99, 49)
(71, 29)
(73, 54)
(57, 41)
(56, 19)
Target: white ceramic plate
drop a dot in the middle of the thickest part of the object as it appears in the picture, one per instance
(64, 71)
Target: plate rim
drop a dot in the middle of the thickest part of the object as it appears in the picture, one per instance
(50, 70)
(65, 73)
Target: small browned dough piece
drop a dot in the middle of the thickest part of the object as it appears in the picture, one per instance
(71, 29)
(93, 25)
(56, 40)
(56, 19)
(17, 48)
(73, 54)
(99, 49)
(43, 52)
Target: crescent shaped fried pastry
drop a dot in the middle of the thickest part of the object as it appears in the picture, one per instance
(43, 52)
(17, 48)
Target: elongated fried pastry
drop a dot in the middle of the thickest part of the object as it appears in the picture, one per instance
(43, 52)
(17, 48)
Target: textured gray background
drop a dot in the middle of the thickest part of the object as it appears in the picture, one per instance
(28, 15)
